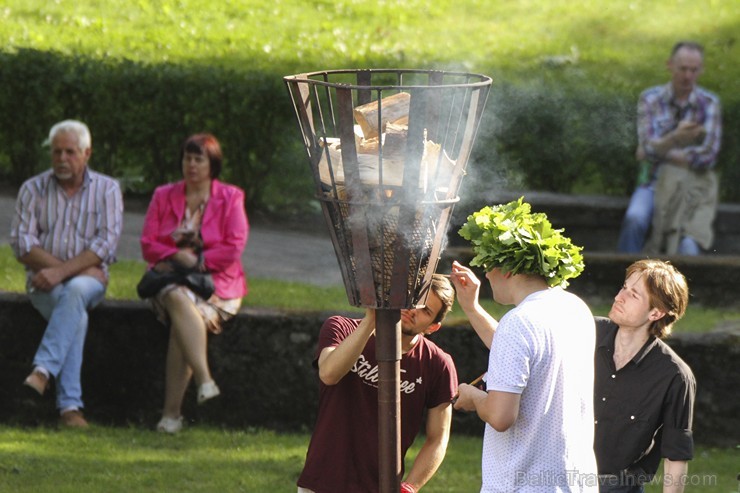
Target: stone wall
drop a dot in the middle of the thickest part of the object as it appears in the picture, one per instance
(262, 362)
(714, 280)
(594, 221)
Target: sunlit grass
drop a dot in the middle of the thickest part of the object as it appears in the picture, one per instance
(128, 459)
(615, 45)
(206, 459)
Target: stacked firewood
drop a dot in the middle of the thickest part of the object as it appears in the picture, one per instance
(383, 142)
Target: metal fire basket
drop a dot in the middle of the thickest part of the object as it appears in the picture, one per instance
(388, 150)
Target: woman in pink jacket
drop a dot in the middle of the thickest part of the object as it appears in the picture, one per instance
(198, 223)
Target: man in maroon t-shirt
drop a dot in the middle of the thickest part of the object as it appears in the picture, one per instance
(343, 453)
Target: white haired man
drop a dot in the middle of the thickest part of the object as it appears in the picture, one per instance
(65, 232)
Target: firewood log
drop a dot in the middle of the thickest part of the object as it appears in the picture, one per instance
(393, 108)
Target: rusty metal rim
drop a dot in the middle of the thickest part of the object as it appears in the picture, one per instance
(443, 202)
(484, 80)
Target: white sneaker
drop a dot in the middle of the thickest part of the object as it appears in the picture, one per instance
(170, 425)
(206, 391)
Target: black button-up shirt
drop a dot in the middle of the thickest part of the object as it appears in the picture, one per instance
(644, 411)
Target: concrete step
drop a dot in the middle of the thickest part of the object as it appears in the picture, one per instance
(714, 280)
(593, 221)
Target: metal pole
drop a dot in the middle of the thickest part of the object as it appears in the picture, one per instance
(388, 353)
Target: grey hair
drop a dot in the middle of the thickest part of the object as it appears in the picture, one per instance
(690, 45)
(84, 140)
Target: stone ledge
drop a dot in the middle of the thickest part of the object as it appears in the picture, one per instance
(263, 364)
(714, 280)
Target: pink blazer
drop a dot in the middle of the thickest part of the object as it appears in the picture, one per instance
(224, 228)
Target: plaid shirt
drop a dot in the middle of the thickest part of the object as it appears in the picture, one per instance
(658, 114)
(91, 219)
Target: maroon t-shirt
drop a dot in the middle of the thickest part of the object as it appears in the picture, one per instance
(343, 453)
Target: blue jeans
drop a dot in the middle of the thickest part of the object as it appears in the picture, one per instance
(637, 220)
(60, 352)
(636, 224)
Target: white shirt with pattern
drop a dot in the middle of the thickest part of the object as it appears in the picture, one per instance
(543, 350)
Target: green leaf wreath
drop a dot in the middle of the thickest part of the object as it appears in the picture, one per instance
(511, 237)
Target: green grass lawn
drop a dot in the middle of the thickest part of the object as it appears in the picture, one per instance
(201, 459)
(614, 44)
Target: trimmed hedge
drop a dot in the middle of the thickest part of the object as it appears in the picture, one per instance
(139, 114)
(540, 135)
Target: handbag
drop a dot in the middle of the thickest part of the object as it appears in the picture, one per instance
(152, 282)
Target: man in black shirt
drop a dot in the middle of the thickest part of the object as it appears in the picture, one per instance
(644, 392)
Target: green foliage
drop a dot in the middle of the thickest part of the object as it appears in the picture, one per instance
(139, 114)
(729, 157)
(562, 140)
(514, 239)
(146, 74)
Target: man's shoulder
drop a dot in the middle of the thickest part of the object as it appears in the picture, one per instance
(434, 350)
(653, 93)
(42, 178)
(559, 298)
(605, 324)
(604, 327)
(672, 358)
(436, 361)
(706, 94)
(103, 178)
(340, 322)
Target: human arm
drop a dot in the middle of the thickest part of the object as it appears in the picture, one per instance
(336, 361)
(703, 152)
(49, 271)
(675, 147)
(677, 444)
(685, 134)
(467, 290)
(156, 247)
(693, 142)
(672, 148)
(109, 225)
(433, 450)
(674, 475)
(498, 409)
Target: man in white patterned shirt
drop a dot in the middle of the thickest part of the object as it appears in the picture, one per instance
(538, 400)
(65, 231)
